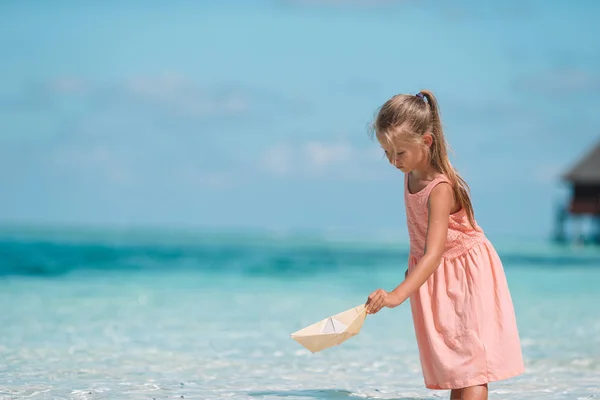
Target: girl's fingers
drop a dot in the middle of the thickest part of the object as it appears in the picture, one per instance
(372, 307)
(375, 302)
(377, 305)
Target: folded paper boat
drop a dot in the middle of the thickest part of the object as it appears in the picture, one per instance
(332, 331)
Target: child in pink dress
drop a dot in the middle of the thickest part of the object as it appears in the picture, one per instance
(462, 309)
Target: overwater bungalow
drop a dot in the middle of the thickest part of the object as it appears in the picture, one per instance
(584, 199)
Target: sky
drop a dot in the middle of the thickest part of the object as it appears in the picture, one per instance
(254, 115)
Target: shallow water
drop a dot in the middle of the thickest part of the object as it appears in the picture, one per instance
(211, 317)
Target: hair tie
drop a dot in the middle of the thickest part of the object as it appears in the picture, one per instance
(420, 95)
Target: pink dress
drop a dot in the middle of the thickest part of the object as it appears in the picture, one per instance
(463, 314)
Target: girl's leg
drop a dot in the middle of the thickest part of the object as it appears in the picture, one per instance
(456, 394)
(479, 392)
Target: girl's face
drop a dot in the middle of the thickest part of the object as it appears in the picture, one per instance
(407, 155)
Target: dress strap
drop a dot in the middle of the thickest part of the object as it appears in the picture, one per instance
(424, 193)
(439, 179)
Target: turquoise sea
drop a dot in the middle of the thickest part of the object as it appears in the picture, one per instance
(166, 315)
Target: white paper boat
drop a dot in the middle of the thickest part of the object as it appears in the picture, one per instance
(332, 331)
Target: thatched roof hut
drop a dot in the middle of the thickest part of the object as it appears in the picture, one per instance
(585, 180)
(587, 170)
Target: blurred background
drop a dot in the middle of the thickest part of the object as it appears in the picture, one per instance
(187, 183)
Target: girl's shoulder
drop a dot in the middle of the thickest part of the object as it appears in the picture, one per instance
(422, 188)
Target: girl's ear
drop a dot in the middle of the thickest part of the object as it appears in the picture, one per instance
(427, 139)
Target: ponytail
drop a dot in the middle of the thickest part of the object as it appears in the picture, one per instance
(441, 162)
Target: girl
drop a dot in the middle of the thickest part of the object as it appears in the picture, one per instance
(461, 305)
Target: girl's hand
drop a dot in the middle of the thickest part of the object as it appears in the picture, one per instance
(379, 299)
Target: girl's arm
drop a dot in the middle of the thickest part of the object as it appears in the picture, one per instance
(441, 200)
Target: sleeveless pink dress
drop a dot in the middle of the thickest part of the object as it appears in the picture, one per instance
(463, 314)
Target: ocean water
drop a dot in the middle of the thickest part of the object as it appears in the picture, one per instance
(101, 315)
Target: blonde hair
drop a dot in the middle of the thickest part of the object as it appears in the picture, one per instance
(410, 116)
